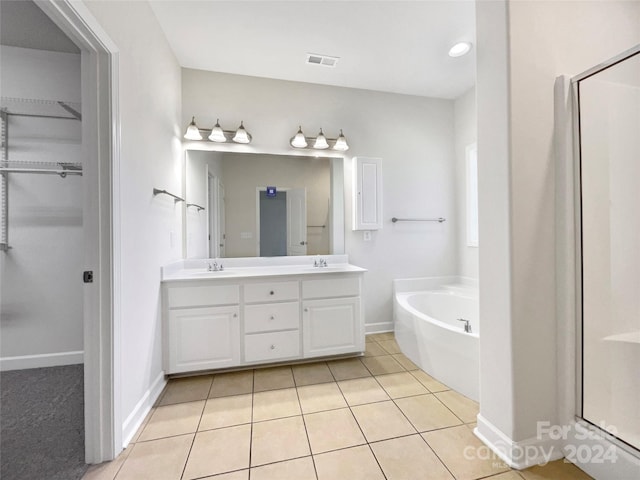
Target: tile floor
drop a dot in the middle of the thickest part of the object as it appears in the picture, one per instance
(369, 418)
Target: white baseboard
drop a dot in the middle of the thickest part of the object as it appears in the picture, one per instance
(380, 327)
(518, 455)
(141, 410)
(39, 361)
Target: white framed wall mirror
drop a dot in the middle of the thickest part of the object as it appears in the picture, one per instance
(262, 204)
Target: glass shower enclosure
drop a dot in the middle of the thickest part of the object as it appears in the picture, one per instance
(608, 173)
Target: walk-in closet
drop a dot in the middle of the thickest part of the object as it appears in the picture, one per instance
(41, 249)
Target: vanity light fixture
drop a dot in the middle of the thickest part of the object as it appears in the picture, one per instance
(320, 142)
(460, 49)
(217, 134)
(193, 132)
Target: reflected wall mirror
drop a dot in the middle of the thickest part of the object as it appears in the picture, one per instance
(262, 205)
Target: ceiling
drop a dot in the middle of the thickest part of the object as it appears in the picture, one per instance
(389, 46)
(23, 24)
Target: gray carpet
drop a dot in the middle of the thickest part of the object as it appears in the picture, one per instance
(42, 424)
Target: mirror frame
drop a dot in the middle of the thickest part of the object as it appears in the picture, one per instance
(337, 175)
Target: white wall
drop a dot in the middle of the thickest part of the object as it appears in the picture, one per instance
(466, 133)
(150, 156)
(522, 47)
(413, 136)
(41, 294)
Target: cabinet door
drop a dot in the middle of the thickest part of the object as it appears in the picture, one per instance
(203, 338)
(367, 191)
(332, 326)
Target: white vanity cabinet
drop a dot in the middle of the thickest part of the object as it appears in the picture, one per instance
(331, 320)
(235, 320)
(202, 326)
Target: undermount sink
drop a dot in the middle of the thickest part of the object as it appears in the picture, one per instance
(208, 273)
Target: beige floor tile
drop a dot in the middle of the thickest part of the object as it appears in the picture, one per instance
(226, 412)
(219, 451)
(373, 349)
(463, 454)
(382, 365)
(107, 470)
(298, 469)
(512, 475)
(278, 440)
(161, 459)
(356, 463)
(381, 337)
(402, 458)
(136, 436)
(311, 374)
(332, 430)
(465, 408)
(558, 470)
(383, 420)
(188, 389)
(362, 390)
(239, 475)
(172, 420)
(272, 379)
(324, 396)
(402, 384)
(428, 381)
(405, 362)
(426, 412)
(348, 368)
(390, 346)
(232, 383)
(369, 338)
(275, 404)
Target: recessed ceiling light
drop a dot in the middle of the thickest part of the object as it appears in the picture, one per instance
(460, 49)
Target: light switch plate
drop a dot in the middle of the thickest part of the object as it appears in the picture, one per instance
(366, 235)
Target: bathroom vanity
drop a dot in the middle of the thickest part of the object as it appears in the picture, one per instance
(259, 311)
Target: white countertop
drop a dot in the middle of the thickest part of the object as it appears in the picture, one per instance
(192, 270)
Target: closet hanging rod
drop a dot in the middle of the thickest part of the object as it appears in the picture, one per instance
(316, 226)
(176, 199)
(38, 115)
(195, 205)
(47, 171)
(439, 219)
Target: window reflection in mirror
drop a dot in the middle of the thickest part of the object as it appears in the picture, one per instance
(262, 205)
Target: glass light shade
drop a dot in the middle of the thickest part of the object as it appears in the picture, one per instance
(321, 141)
(217, 134)
(242, 136)
(460, 49)
(341, 143)
(193, 133)
(298, 141)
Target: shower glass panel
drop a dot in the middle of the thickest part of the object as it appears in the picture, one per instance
(609, 141)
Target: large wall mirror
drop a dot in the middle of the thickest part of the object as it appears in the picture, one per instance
(263, 205)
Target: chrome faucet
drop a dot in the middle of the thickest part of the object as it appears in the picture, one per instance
(214, 267)
(320, 262)
(467, 325)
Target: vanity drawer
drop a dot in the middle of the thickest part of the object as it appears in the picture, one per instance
(272, 291)
(271, 316)
(205, 295)
(261, 347)
(334, 287)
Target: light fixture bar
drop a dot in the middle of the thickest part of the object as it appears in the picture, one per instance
(321, 142)
(217, 134)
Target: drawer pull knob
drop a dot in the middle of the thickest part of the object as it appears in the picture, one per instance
(271, 292)
(273, 347)
(306, 309)
(272, 317)
(235, 315)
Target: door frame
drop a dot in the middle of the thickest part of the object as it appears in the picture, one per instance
(101, 224)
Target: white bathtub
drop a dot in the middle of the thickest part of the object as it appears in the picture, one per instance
(426, 327)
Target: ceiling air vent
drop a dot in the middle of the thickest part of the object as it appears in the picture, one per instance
(324, 60)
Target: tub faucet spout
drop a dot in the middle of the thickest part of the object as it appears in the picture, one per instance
(467, 325)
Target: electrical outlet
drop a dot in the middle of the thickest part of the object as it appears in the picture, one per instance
(366, 235)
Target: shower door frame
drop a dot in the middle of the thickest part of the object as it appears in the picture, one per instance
(577, 202)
